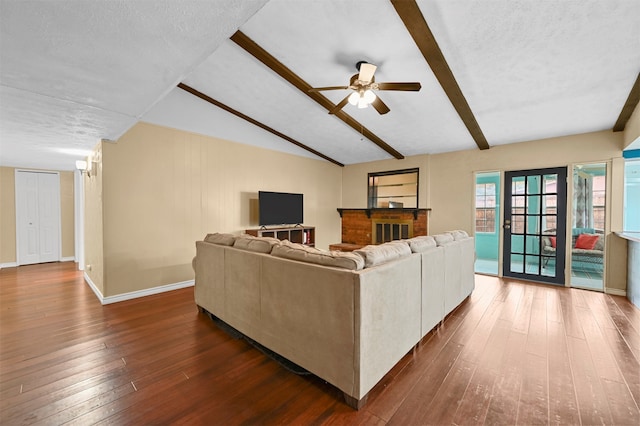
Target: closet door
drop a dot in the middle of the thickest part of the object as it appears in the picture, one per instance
(37, 217)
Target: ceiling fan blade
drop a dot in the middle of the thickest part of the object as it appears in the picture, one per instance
(318, 89)
(380, 106)
(340, 105)
(411, 87)
(366, 72)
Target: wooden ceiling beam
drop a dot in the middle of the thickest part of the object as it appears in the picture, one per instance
(255, 122)
(279, 68)
(412, 17)
(629, 106)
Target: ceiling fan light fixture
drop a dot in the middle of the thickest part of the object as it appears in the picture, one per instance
(362, 102)
(369, 96)
(354, 98)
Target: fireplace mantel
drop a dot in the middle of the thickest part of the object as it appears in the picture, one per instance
(368, 212)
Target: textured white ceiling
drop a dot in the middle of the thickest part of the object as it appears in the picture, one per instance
(75, 72)
(533, 70)
(72, 73)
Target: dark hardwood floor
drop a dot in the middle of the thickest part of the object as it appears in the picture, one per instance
(513, 353)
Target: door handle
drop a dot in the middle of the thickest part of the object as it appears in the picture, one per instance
(507, 227)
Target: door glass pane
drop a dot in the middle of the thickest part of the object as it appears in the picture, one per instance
(517, 185)
(517, 264)
(517, 243)
(517, 224)
(533, 224)
(533, 185)
(533, 204)
(533, 264)
(517, 204)
(533, 244)
(549, 266)
(588, 220)
(550, 184)
(549, 203)
(549, 225)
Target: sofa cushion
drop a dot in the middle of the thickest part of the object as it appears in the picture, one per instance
(421, 244)
(257, 244)
(302, 253)
(221, 239)
(586, 241)
(458, 235)
(378, 254)
(443, 239)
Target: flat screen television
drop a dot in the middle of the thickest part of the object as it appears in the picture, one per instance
(280, 208)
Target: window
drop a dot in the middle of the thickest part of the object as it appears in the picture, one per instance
(632, 191)
(486, 207)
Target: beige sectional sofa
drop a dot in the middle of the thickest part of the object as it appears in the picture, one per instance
(348, 318)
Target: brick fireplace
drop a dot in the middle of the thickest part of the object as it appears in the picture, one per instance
(375, 226)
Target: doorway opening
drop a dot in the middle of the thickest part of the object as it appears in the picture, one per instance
(588, 225)
(487, 231)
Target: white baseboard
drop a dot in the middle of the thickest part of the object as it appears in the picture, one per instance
(136, 294)
(94, 288)
(147, 292)
(15, 264)
(615, 291)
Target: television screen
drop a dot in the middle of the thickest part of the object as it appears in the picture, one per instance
(280, 208)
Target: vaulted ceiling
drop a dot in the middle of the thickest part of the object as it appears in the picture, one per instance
(492, 72)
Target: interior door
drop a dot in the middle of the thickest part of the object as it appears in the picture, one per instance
(37, 217)
(534, 224)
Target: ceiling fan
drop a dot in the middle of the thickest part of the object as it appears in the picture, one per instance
(363, 84)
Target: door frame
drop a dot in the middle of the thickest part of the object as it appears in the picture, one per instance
(18, 211)
(561, 225)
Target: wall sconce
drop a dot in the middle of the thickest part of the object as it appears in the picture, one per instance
(85, 166)
(82, 166)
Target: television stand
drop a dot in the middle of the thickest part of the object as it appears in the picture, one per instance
(296, 234)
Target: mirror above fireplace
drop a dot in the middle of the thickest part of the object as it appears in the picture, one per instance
(393, 189)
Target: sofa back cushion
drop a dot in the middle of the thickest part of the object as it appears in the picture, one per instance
(458, 234)
(220, 239)
(443, 239)
(257, 244)
(302, 253)
(378, 254)
(421, 244)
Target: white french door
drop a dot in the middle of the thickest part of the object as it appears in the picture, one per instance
(37, 217)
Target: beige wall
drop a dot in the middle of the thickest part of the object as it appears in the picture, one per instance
(8, 215)
(164, 189)
(449, 189)
(93, 227)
